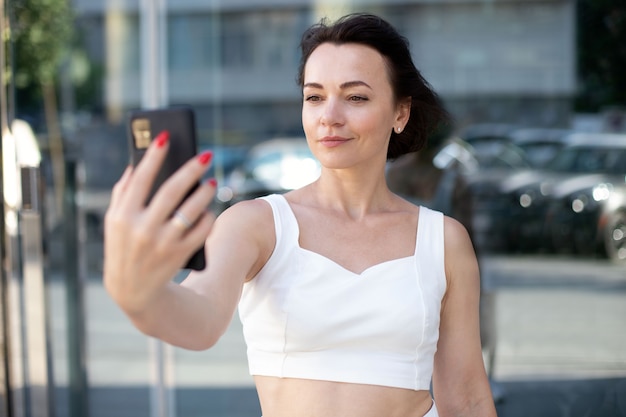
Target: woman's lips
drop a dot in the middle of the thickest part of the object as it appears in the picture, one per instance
(332, 141)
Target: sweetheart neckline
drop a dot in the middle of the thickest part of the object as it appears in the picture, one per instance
(364, 271)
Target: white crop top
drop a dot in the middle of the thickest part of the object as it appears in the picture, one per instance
(305, 316)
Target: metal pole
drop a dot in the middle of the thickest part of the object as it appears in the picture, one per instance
(37, 326)
(5, 398)
(153, 30)
(75, 304)
(216, 75)
(153, 27)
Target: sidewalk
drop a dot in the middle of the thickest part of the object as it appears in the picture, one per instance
(565, 398)
(581, 398)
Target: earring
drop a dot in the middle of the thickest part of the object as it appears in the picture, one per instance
(398, 129)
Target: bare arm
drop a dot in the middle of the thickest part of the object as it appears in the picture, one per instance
(145, 248)
(460, 383)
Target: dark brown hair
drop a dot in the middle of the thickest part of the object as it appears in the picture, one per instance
(427, 112)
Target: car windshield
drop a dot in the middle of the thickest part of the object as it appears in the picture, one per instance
(590, 160)
(499, 154)
(225, 159)
(540, 153)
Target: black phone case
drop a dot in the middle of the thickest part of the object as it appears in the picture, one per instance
(143, 126)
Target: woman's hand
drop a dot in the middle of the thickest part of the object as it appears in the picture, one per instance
(146, 244)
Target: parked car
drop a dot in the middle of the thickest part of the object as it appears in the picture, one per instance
(540, 144)
(273, 166)
(226, 158)
(487, 132)
(615, 227)
(471, 189)
(575, 203)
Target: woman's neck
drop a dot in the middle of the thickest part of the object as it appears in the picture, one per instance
(355, 195)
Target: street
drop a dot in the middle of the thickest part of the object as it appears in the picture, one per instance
(560, 324)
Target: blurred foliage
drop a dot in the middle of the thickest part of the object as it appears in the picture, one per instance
(87, 83)
(601, 54)
(41, 36)
(41, 31)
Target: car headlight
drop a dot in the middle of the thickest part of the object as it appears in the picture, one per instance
(590, 198)
(602, 192)
(525, 200)
(579, 203)
(529, 197)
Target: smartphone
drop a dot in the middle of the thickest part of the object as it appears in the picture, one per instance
(143, 126)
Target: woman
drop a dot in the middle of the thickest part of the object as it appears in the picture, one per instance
(351, 297)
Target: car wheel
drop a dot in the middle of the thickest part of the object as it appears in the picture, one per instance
(615, 237)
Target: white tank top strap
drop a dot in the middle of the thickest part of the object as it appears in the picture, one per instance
(285, 223)
(429, 248)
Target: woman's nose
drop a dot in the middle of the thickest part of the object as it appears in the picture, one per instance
(331, 113)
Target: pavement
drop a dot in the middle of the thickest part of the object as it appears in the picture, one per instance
(560, 333)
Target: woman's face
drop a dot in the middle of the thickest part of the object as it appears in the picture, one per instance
(349, 109)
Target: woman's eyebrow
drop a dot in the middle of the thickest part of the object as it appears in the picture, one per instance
(354, 84)
(343, 86)
(312, 85)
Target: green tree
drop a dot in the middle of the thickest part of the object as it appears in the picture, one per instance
(601, 54)
(41, 34)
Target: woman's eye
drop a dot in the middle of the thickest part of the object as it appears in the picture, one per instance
(357, 98)
(312, 98)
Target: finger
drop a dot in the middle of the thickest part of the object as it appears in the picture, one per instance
(197, 235)
(145, 172)
(192, 209)
(176, 189)
(190, 241)
(181, 222)
(121, 184)
(116, 193)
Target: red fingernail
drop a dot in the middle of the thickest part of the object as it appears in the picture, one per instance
(162, 139)
(212, 182)
(205, 157)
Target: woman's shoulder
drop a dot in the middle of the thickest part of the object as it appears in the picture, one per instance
(454, 226)
(455, 233)
(247, 211)
(251, 218)
(246, 225)
(460, 257)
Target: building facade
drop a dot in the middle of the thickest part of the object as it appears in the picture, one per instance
(235, 61)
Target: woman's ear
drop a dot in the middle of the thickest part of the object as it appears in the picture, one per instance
(403, 113)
